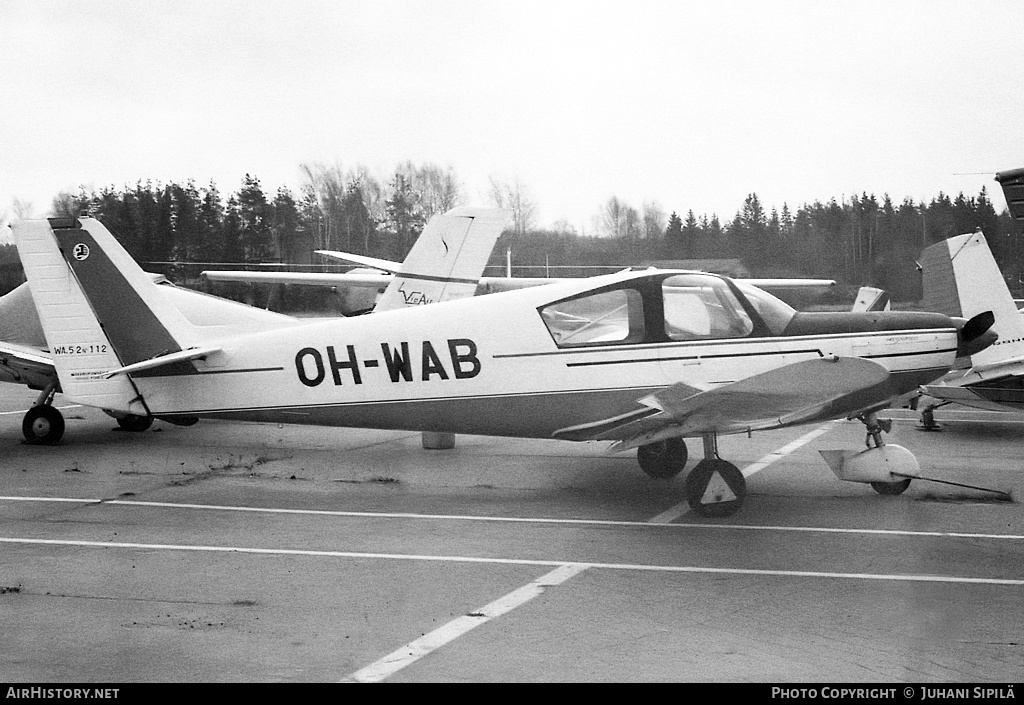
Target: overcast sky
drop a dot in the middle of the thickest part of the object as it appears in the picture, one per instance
(692, 105)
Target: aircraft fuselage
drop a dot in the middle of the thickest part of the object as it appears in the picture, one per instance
(492, 365)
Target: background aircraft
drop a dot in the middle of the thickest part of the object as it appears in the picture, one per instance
(444, 264)
(962, 278)
(963, 268)
(376, 274)
(642, 359)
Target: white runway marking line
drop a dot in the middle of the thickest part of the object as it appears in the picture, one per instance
(580, 565)
(512, 520)
(675, 512)
(9, 413)
(418, 648)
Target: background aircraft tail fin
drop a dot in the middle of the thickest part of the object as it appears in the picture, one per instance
(1012, 182)
(447, 260)
(870, 298)
(99, 311)
(962, 279)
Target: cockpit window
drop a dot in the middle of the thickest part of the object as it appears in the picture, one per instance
(775, 313)
(608, 317)
(700, 307)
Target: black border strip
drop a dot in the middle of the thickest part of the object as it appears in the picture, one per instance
(774, 340)
(694, 357)
(251, 369)
(433, 278)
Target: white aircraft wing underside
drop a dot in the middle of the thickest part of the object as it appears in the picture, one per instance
(788, 395)
(22, 364)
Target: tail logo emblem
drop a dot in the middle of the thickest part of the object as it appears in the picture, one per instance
(81, 251)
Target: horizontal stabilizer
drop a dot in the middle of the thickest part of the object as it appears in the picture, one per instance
(384, 265)
(162, 360)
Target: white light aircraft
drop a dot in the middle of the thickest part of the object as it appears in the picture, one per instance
(444, 264)
(641, 359)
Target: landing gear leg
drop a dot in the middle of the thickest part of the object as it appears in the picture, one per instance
(42, 424)
(715, 487)
(927, 422)
(876, 427)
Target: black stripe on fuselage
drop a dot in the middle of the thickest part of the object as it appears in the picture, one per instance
(433, 278)
(754, 354)
(662, 345)
(907, 354)
(677, 358)
(232, 372)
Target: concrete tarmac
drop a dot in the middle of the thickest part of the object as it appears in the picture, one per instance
(235, 552)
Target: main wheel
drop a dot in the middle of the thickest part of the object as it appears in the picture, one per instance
(42, 425)
(134, 423)
(891, 488)
(715, 488)
(664, 459)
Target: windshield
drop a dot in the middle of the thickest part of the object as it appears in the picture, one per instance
(775, 313)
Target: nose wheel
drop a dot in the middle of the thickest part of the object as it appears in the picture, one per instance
(875, 428)
(715, 487)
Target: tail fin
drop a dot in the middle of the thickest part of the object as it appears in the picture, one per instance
(1013, 189)
(447, 260)
(99, 311)
(871, 299)
(962, 279)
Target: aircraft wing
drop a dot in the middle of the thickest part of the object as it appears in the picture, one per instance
(363, 278)
(21, 364)
(788, 286)
(1006, 399)
(371, 280)
(793, 394)
(384, 270)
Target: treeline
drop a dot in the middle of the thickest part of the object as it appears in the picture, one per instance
(859, 240)
(334, 210)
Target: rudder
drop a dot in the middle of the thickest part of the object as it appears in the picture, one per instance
(99, 311)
